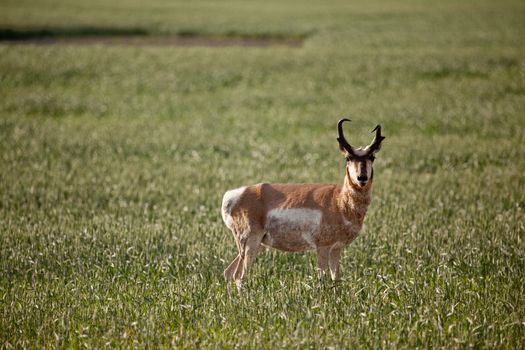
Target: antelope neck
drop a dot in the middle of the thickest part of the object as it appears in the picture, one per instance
(354, 200)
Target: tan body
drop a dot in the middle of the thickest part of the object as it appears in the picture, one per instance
(299, 217)
(295, 217)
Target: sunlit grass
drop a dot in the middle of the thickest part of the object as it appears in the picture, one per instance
(113, 162)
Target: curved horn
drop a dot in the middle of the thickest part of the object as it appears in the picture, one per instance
(342, 140)
(376, 142)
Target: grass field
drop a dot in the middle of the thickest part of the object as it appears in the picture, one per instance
(114, 160)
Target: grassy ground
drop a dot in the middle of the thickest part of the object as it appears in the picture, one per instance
(113, 162)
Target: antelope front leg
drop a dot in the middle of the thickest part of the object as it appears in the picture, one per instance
(335, 253)
(322, 261)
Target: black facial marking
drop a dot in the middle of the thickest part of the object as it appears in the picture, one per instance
(362, 167)
(352, 158)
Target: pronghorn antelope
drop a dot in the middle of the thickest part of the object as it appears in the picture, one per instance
(299, 217)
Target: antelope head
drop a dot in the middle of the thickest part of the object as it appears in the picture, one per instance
(359, 161)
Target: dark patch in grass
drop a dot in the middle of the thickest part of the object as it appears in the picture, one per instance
(142, 37)
(219, 41)
(233, 34)
(10, 34)
(514, 90)
(453, 72)
(50, 106)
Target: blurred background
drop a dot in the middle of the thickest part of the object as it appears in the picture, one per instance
(123, 123)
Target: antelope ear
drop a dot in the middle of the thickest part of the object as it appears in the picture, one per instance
(372, 151)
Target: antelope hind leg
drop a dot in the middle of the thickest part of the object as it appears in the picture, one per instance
(250, 248)
(230, 270)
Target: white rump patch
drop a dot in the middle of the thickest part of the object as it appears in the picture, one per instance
(303, 220)
(228, 203)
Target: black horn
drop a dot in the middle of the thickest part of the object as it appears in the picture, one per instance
(344, 145)
(376, 142)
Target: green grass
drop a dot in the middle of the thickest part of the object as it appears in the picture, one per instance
(113, 162)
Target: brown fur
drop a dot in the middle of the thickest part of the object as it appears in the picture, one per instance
(324, 217)
(337, 203)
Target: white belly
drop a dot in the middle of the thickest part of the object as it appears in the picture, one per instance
(293, 229)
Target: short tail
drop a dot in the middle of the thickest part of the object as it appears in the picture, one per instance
(229, 200)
